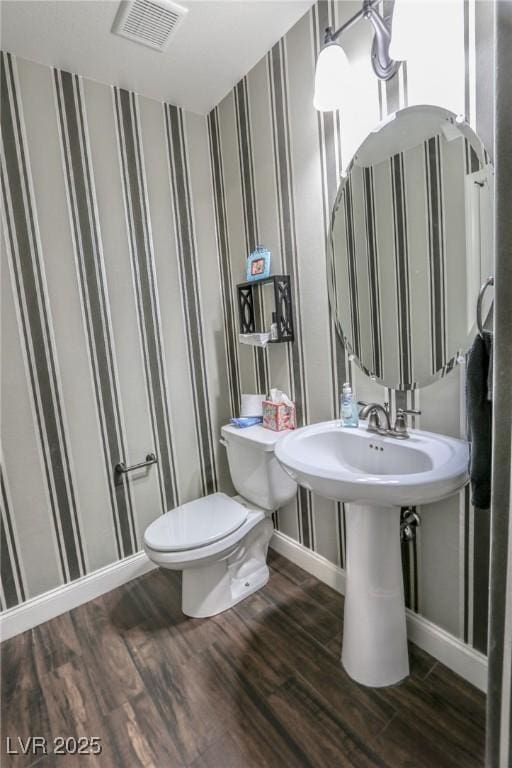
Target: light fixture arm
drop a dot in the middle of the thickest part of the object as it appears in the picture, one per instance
(382, 35)
(331, 35)
(383, 66)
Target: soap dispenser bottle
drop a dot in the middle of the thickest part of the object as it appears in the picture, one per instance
(348, 408)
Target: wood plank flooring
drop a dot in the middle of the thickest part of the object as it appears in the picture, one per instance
(260, 686)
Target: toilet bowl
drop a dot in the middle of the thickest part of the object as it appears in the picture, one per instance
(221, 542)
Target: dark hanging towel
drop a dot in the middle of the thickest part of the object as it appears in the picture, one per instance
(479, 410)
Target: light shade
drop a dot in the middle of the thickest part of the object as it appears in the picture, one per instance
(332, 76)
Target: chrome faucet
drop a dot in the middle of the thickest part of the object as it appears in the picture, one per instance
(371, 412)
(374, 411)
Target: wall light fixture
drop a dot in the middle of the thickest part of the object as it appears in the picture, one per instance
(333, 68)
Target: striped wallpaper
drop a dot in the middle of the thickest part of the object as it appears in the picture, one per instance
(112, 322)
(126, 227)
(280, 173)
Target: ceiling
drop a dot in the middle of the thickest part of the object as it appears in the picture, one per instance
(216, 45)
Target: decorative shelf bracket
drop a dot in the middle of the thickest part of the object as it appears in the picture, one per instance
(282, 307)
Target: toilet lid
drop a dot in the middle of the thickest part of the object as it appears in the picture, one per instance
(196, 524)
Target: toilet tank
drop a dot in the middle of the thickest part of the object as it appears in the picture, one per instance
(255, 471)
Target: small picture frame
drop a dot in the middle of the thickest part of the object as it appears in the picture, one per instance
(258, 264)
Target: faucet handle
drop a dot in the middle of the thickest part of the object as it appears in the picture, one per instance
(400, 425)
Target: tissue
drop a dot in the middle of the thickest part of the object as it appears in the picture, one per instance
(251, 405)
(278, 411)
(276, 396)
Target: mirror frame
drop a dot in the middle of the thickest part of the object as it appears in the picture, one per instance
(484, 158)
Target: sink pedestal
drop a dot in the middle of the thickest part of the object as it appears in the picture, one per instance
(374, 632)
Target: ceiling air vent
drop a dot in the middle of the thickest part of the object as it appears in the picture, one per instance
(149, 22)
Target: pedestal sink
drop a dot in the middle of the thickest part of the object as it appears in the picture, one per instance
(376, 475)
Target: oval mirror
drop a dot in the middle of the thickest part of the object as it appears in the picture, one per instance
(411, 242)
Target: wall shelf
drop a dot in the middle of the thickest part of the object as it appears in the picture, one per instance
(282, 306)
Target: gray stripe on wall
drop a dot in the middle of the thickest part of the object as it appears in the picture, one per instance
(373, 270)
(352, 267)
(186, 246)
(219, 200)
(24, 250)
(93, 291)
(401, 268)
(243, 125)
(11, 576)
(246, 163)
(144, 281)
(436, 251)
(276, 59)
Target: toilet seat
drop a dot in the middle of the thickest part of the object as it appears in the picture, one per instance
(196, 524)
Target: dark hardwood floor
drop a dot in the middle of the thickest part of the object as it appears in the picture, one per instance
(260, 686)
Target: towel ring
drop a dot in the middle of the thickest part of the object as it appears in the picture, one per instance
(479, 323)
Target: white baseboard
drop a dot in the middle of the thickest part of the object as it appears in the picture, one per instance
(451, 651)
(310, 561)
(50, 604)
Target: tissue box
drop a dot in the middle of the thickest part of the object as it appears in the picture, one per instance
(278, 416)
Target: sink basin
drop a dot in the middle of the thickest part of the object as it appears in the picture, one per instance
(357, 465)
(375, 476)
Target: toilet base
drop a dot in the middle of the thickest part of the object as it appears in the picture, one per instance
(219, 585)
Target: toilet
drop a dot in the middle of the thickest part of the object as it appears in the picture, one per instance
(221, 542)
